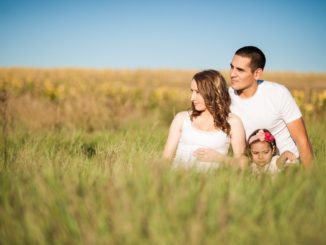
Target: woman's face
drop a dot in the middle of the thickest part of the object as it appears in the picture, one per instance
(196, 98)
(261, 153)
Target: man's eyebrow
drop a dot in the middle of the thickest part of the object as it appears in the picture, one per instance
(238, 68)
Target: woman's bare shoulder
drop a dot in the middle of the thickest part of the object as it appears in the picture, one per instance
(179, 119)
(182, 115)
(234, 119)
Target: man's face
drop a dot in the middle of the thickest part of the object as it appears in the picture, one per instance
(242, 77)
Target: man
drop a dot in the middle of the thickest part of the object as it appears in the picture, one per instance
(269, 105)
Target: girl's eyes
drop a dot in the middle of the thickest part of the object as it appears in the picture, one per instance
(256, 153)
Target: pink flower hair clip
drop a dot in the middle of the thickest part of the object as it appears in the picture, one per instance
(262, 136)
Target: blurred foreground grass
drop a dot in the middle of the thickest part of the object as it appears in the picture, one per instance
(85, 168)
(111, 188)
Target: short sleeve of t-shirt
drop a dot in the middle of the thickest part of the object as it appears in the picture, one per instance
(289, 109)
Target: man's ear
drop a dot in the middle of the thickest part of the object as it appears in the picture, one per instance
(258, 73)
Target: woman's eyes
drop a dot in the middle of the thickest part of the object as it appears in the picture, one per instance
(197, 92)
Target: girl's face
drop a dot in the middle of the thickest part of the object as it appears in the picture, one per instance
(261, 153)
(196, 98)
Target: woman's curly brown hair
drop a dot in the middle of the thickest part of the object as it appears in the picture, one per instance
(213, 87)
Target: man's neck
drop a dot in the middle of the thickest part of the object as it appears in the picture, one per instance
(248, 92)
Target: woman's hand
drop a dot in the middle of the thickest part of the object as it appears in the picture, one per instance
(207, 155)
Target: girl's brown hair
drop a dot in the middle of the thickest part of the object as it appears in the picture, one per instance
(270, 140)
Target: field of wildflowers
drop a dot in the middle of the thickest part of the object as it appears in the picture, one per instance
(98, 99)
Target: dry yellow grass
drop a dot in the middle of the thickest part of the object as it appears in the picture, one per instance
(103, 99)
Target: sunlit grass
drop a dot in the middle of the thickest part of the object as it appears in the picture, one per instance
(111, 187)
(83, 167)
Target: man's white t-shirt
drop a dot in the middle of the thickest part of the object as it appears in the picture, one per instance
(271, 107)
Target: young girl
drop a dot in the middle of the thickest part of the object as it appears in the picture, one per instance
(201, 137)
(262, 151)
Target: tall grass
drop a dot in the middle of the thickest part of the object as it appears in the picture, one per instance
(110, 187)
(73, 180)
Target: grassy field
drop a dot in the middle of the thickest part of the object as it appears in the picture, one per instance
(80, 164)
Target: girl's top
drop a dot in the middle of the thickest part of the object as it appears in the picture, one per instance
(192, 139)
(268, 168)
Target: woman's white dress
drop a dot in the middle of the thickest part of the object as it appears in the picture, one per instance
(192, 139)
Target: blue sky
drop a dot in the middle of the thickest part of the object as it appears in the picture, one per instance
(162, 34)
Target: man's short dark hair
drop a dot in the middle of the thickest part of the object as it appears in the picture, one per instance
(257, 57)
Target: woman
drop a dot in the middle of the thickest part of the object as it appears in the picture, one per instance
(201, 137)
